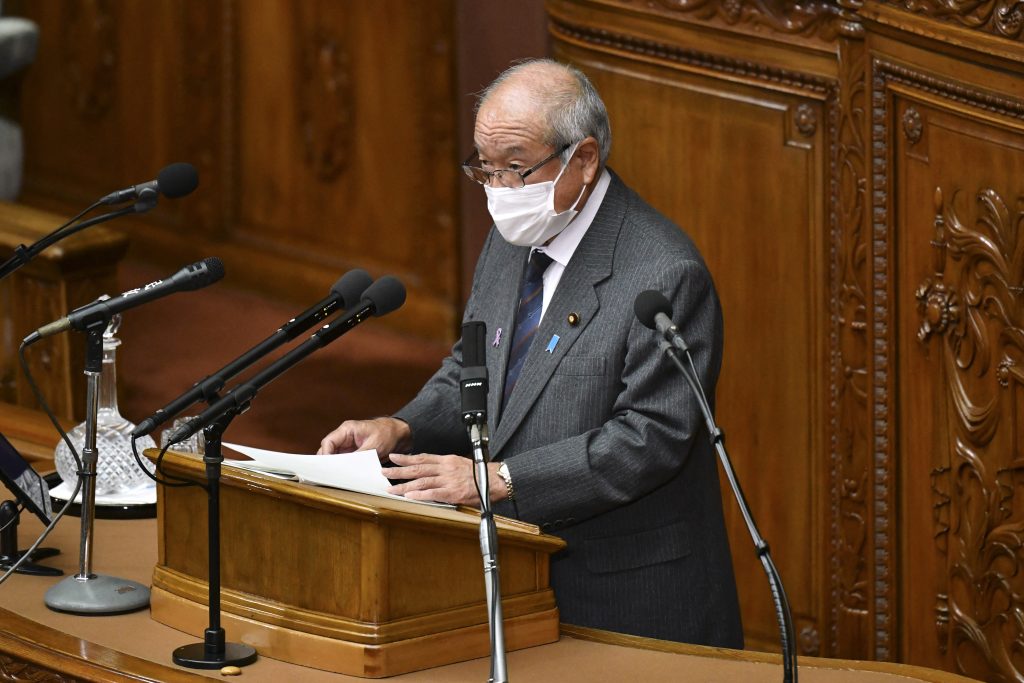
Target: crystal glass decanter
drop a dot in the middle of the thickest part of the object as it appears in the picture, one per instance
(116, 468)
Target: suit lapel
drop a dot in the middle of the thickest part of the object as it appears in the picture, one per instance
(501, 315)
(576, 293)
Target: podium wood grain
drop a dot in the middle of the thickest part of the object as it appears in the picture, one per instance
(344, 581)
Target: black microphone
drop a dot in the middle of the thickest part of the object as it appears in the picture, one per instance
(473, 381)
(196, 276)
(655, 312)
(176, 180)
(344, 293)
(380, 298)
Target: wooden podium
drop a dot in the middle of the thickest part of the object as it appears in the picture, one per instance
(342, 581)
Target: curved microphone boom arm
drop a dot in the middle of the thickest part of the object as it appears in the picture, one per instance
(173, 181)
(654, 311)
(23, 254)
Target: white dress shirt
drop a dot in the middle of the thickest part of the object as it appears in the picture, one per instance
(563, 246)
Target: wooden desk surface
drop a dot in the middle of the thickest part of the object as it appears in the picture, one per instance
(96, 648)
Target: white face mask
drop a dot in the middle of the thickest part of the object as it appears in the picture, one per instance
(526, 216)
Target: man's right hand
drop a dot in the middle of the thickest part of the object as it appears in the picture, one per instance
(387, 434)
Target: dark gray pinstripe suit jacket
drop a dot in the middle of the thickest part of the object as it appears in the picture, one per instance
(603, 439)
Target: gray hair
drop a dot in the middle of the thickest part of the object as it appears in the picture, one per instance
(574, 109)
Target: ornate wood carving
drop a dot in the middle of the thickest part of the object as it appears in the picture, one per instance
(1003, 18)
(806, 120)
(849, 22)
(972, 308)
(90, 50)
(849, 263)
(325, 96)
(941, 499)
(765, 75)
(913, 126)
(816, 18)
(18, 671)
(810, 641)
(881, 377)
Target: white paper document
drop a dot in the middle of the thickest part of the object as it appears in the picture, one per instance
(359, 471)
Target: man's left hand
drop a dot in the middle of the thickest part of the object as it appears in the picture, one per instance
(441, 478)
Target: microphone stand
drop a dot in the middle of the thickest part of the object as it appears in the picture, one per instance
(782, 609)
(23, 254)
(214, 652)
(85, 592)
(476, 424)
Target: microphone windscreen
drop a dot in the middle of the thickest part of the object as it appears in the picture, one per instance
(177, 180)
(212, 271)
(474, 344)
(649, 304)
(351, 285)
(386, 294)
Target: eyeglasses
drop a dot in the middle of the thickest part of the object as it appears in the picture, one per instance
(506, 177)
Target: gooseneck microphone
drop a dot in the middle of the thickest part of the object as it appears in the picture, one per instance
(173, 181)
(98, 313)
(176, 180)
(473, 381)
(654, 311)
(346, 292)
(380, 298)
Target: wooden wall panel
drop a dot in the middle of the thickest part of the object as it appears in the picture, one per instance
(677, 137)
(851, 171)
(323, 132)
(962, 399)
(957, 211)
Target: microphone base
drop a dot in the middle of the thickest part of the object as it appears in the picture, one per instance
(97, 594)
(207, 656)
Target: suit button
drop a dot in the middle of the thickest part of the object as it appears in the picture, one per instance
(544, 526)
(570, 520)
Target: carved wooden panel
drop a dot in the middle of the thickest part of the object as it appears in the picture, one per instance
(742, 163)
(19, 671)
(881, 459)
(851, 491)
(353, 166)
(957, 283)
(816, 21)
(1003, 18)
(323, 134)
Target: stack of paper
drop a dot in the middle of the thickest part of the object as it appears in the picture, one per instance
(359, 471)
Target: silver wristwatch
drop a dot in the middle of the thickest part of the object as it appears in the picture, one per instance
(507, 478)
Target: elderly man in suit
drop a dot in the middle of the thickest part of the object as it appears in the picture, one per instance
(593, 436)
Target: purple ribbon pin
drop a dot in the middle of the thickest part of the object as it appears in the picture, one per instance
(497, 338)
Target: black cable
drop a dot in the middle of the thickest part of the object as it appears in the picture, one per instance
(74, 452)
(23, 254)
(169, 479)
(76, 217)
(46, 406)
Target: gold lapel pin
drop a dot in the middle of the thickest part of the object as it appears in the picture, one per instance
(574, 319)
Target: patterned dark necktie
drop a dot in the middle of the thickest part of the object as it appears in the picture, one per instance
(531, 299)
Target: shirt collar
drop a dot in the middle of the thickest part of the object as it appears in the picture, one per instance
(563, 246)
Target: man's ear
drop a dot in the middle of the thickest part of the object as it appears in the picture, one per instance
(589, 155)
